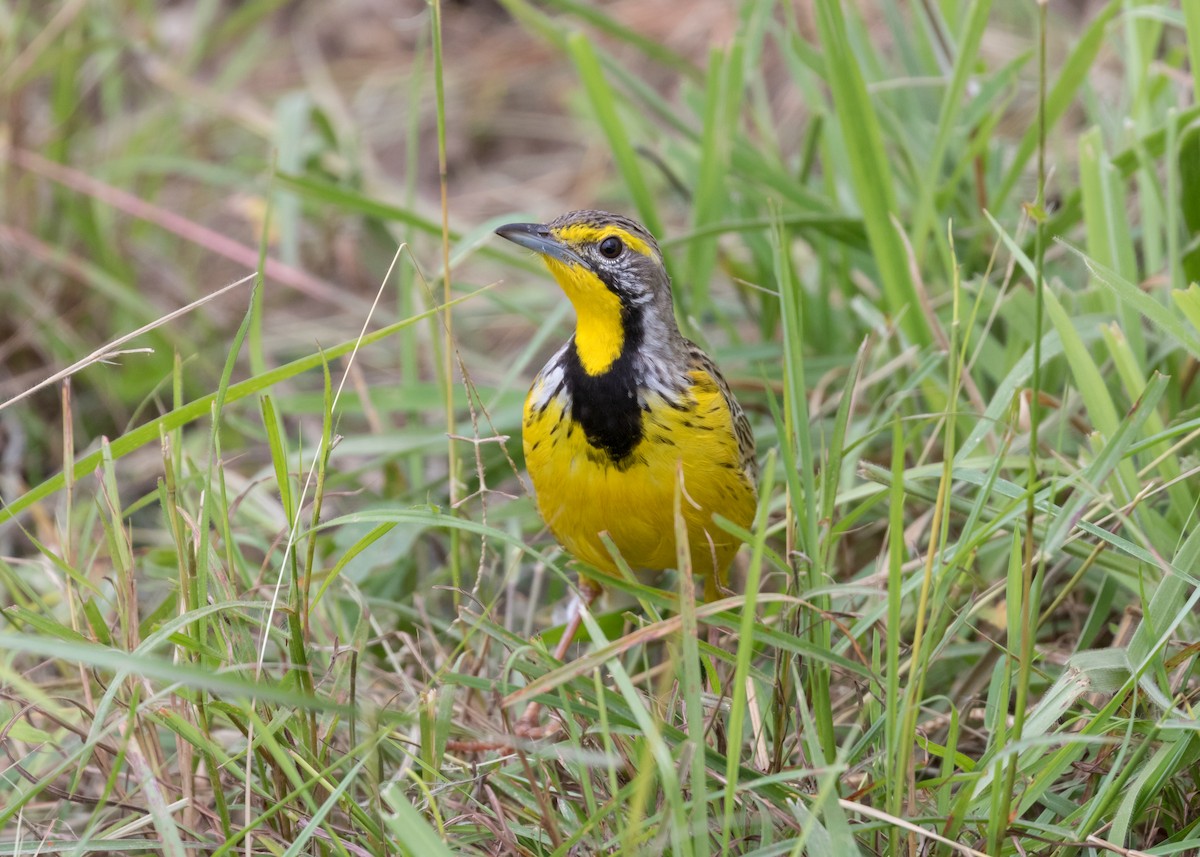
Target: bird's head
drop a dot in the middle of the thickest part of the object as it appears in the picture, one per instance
(612, 271)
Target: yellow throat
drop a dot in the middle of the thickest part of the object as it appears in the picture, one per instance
(599, 331)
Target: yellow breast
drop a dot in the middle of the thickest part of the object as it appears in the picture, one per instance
(582, 492)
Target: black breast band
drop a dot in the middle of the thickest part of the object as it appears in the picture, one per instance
(606, 405)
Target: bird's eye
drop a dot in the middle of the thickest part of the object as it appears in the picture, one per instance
(611, 247)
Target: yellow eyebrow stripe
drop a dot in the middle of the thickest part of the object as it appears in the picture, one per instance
(583, 233)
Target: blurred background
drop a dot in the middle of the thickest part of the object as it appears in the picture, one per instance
(141, 139)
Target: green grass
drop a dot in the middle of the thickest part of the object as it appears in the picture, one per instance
(252, 594)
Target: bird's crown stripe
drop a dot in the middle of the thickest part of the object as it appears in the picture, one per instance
(584, 233)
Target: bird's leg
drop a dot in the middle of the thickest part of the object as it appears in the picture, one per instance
(589, 591)
(527, 727)
(714, 588)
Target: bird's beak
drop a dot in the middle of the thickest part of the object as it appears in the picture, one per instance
(538, 238)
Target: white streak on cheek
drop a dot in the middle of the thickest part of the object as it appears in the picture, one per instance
(549, 380)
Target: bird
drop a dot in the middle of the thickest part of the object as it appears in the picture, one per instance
(627, 413)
